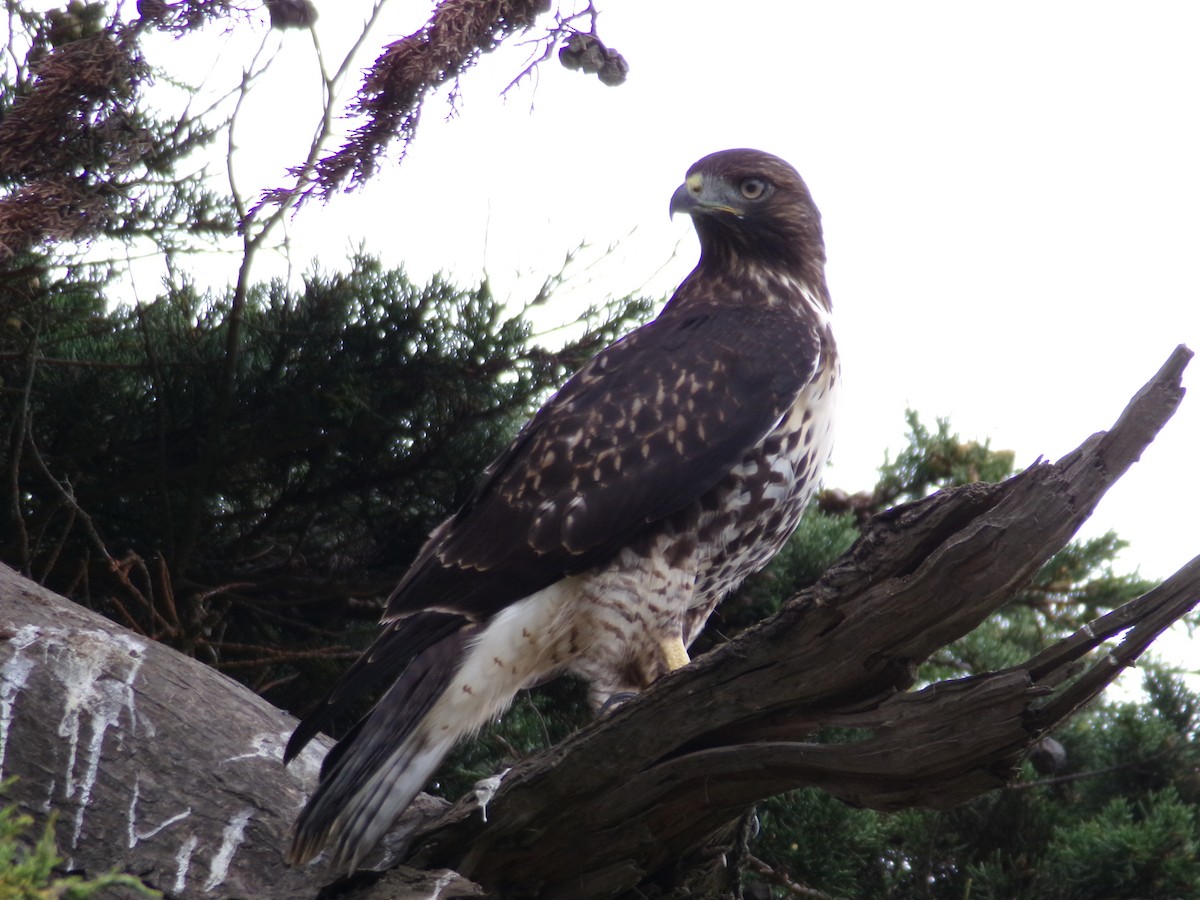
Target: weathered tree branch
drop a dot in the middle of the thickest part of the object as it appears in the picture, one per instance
(158, 764)
(167, 769)
(636, 796)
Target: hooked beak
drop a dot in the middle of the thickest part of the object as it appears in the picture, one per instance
(684, 200)
(694, 196)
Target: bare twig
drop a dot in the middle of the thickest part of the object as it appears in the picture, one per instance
(564, 26)
(255, 225)
(456, 35)
(784, 880)
(18, 434)
(1095, 773)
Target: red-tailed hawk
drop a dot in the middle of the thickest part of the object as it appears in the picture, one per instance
(670, 467)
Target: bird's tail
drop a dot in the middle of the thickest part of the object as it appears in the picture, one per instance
(371, 776)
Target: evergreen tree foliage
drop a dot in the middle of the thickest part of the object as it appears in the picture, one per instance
(250, 526)
(937, 459)
(28, 872)
(81, 150)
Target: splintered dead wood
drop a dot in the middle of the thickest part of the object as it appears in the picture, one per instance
(650, 783)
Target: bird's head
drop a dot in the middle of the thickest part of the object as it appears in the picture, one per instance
(751, 207)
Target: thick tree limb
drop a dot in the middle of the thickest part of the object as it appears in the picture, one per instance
(168, 769)
(158, 764)
(632, 797)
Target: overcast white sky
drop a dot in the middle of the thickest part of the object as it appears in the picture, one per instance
(1011, 198)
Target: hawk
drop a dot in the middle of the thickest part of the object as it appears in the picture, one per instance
(671, 466)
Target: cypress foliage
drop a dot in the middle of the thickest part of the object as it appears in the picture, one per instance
(363, 409)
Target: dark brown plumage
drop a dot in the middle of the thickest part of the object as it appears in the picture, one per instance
(670, 467)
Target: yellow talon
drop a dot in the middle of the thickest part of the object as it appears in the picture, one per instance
(675, 654)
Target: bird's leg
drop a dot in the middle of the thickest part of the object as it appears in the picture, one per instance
(674, 656)
(674, 653)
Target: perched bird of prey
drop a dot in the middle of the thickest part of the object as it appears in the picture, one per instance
(671, 466)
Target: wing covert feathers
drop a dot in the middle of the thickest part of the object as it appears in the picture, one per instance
(640, 432)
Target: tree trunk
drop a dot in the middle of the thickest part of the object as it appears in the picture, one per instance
(171, 771)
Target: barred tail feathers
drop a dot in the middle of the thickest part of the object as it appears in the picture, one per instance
(387, 661)
(362, 769)
(447, 693)
(372, 811)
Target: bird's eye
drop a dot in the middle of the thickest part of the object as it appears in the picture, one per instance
(753, 188)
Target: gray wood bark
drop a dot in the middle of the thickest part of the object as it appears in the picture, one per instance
(157, 764)
(167, 769)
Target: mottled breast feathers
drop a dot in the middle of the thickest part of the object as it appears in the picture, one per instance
(644, 429)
